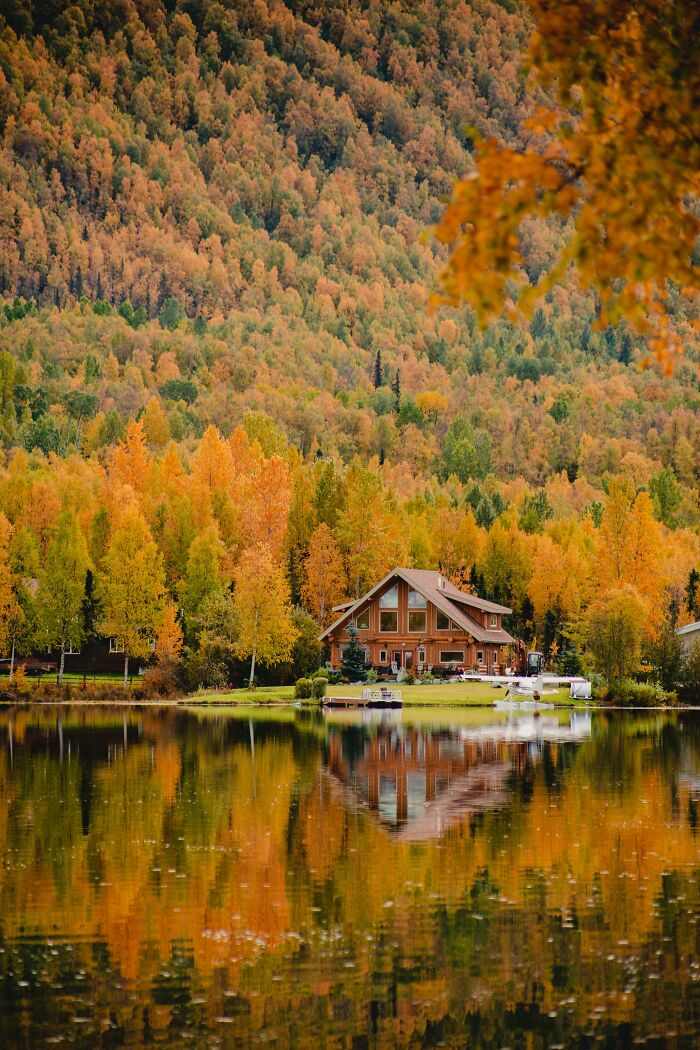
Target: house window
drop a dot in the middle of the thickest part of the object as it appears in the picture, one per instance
(390, 598)
(382, 656)
(116, 645)
(388, 620)
(416, 620)
(421, 656)
(416, 600)
(443, 622)
(70, 650)
(362, 621)
(493, 621)
(451, 656)
(480, 657)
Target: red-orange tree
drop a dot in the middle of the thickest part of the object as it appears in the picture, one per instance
(618, 159)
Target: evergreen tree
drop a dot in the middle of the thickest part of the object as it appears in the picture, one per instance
(378, 372)
(396, 388)
(691, 594)
(353, 664)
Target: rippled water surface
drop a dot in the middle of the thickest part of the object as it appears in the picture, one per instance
(273, 878)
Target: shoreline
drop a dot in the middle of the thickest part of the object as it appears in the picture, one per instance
(267, 704)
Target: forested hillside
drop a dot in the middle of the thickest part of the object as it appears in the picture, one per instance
(215, 214)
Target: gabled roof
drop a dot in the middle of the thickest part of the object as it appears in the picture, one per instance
(445, 597)
(689, 628)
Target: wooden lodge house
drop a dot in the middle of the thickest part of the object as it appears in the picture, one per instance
(417, 620)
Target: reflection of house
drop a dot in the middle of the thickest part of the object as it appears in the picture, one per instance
(415, 618)
(420, 784)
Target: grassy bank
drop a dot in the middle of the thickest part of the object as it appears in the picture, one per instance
(454, 694)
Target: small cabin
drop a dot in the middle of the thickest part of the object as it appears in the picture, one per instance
(417, 620)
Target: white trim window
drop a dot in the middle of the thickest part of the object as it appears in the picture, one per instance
(362, 620)
(116, 645)
(452, 656)
(68, 650)
(443, 621)
(493, 620)
(389, 611)
(480, 657)
(382, 656)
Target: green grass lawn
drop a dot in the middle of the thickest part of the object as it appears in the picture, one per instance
(455, 694)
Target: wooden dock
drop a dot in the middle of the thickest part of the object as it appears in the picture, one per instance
(368, 698)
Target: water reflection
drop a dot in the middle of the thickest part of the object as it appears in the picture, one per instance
(417, 880)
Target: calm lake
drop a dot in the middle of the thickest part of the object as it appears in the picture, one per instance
(275, 878)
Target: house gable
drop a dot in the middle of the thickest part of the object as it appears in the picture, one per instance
(463, 610)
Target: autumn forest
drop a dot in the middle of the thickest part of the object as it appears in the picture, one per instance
(227, 397)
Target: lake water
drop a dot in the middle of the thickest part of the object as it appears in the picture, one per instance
(273, 878)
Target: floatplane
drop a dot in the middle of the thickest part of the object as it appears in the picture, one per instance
(533, 689)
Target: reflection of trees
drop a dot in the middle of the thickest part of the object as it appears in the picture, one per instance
(211, 866)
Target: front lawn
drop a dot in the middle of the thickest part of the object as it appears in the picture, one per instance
(456, 694)
(452, 693)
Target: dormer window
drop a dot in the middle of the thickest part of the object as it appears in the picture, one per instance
(493, 620)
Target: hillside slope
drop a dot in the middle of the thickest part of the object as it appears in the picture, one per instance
(226, 206)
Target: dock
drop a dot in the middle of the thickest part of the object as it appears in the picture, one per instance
(369, 698)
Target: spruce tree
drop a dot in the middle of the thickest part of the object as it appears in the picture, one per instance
(353, 665)
(396, 387)
(691, 593)
(378, 371)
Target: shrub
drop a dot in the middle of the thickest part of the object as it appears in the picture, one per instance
(160, 681)
(20, 681)
(303, 688)
(319, 687)
(371, 675)
(639, 694)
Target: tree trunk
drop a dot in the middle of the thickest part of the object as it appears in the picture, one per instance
(62, 663)
(12, 660)
(126, 670)
(252, 670)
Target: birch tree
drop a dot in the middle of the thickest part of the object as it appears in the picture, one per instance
(131, 588)
(265, 631)
(60, 620)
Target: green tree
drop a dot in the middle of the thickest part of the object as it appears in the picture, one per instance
(203, 576)
(306, 654)
(353, 662)
(536, 510)
(691, 593)
(666, 651)
(613, 628)
(60, 619)
(131, 588)
(466, 453)
(667, 496)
